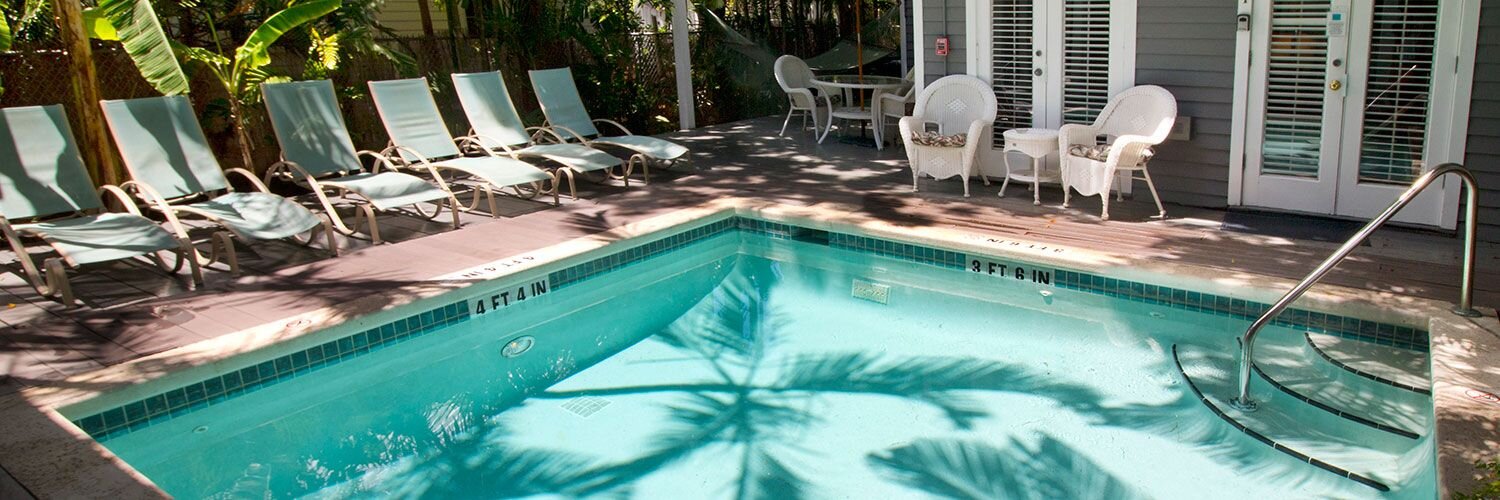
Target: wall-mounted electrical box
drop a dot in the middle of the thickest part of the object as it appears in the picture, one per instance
(941, 45)
(1182, 129)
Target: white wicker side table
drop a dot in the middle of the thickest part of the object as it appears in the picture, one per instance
(1035, 143)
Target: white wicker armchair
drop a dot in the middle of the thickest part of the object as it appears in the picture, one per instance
(795, 79)
(957, 104)
(1136, 119)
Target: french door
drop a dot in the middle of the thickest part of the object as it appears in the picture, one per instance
(1348, 102)
(1051, 62)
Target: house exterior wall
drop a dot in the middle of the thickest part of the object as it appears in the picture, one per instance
(934, 25)
(1482, 155)
(405, 17)
(1188, 47)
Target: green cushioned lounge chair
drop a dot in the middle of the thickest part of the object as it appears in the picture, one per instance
(173, 168)
(45, 192)
(495, 125)
(558, 95)
(316, 151)
(420, 138)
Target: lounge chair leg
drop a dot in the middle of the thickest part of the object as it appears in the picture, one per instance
(495, 205)
(788, 120)
(185, 253)
(453, 212)
(374, 227)
(333, 246)
(223, 246)
(645, 164)
(1004, 184)
(57, 280)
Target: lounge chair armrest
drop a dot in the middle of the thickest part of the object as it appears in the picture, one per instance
(477, 141)
(254, 181)
(121, 196)
(615, 124)
(570, 131)
(422, 161)
(147, 193)
(544, 132)
(380, 160)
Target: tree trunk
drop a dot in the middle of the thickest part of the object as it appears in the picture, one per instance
(89, 127)
(241, 136)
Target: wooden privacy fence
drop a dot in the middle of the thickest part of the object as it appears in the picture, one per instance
(632, 84)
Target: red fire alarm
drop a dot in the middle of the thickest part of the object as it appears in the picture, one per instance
(942, 45)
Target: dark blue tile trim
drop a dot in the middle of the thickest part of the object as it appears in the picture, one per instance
(1362, 373)
(1270, 442)
(1335, 411)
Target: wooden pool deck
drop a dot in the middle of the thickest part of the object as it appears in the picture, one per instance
(139, 311)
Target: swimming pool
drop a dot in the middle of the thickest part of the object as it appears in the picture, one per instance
(742, 357)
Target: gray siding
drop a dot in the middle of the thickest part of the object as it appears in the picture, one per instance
(933, 26)
(1483, 153)
(1187, 46)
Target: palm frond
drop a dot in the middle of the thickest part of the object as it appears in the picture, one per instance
(147, 45)
(971, 469)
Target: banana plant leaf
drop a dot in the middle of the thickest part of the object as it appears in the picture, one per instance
(255, 53)
(148, 46)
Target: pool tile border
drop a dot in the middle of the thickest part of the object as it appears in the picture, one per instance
(160, 407)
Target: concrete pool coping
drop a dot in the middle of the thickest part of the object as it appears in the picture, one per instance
(49, 457)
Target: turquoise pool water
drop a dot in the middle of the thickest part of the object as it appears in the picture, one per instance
(743, 367)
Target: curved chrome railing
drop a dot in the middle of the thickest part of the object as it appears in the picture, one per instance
(1465, 307)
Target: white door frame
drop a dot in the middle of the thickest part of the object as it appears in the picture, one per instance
(1447, 123)
(1047, 20)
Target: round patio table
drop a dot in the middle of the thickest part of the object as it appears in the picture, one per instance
(846, 85)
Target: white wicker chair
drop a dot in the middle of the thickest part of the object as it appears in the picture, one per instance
(891, 107)
(795, 79)
(956, 104)
(1136, 119)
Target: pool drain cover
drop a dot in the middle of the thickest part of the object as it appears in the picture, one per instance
(585, 406)
(518, 346)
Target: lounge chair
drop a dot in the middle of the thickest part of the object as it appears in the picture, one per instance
(420, 137)
(173, 169)
(316, 151)
(43, 183)
(560, 101)
(496, 126)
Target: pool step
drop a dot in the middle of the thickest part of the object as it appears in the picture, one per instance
(1393, 366)
(1291, 426)
(1289, 361)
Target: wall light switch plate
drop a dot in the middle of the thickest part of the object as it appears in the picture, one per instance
(1182, 129)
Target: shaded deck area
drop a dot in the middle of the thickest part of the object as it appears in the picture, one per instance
(138, 310)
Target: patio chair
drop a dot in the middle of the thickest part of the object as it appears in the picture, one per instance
(45, 192)
(1136, 119)
(891, 107)
(420, 139)
(173, 169)
(496, 126)
(961, 109)
(561, 104)
(795, 79)
(317, 152)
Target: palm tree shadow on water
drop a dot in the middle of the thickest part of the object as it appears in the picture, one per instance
(754, 408)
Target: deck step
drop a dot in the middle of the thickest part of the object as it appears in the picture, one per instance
(1290, 363)
(1394, 366)
(1368, 456)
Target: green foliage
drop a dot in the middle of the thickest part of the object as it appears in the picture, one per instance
(141, 33)
(1488, 491)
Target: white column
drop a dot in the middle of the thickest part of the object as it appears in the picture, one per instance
(683, 64)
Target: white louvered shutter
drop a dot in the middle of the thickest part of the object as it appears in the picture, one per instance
(1086, 47)
(1403, 38)
(1011, 76)
(1296, 67)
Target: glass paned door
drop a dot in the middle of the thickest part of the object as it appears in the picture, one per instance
(1343, 95)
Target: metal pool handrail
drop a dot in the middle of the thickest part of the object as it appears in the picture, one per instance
(1243, 402)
